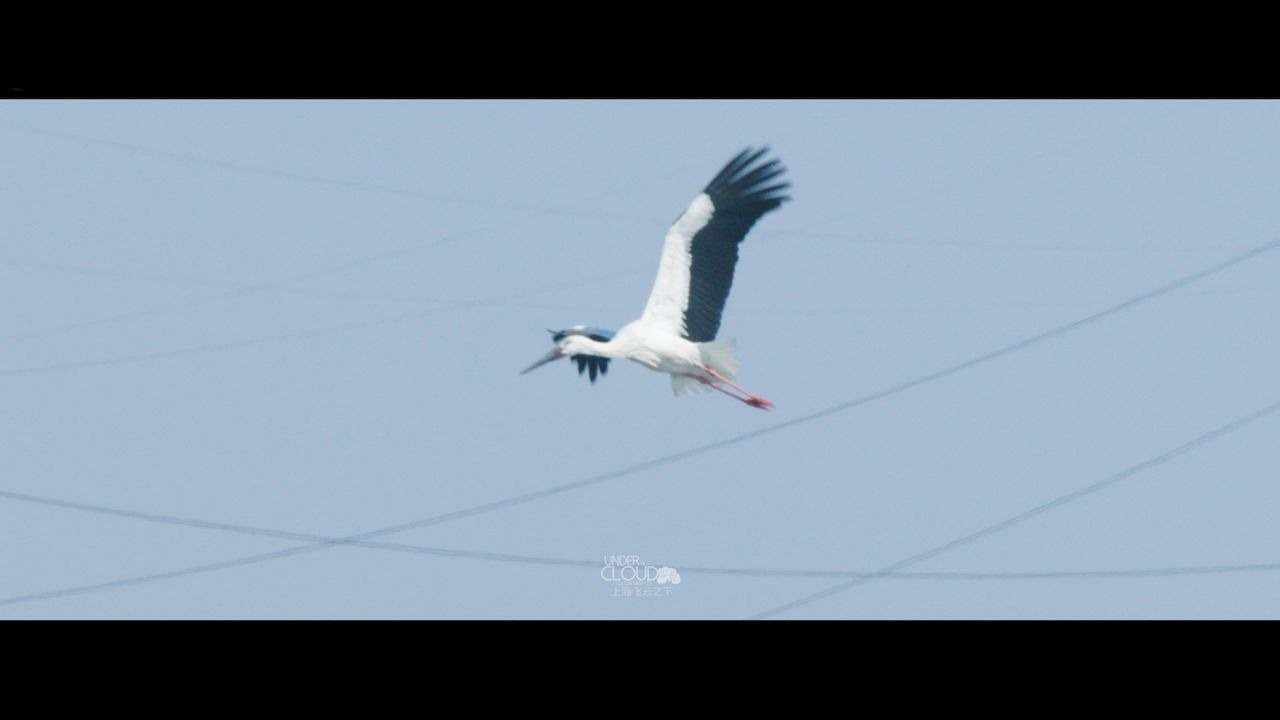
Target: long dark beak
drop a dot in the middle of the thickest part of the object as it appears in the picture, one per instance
(555, 354)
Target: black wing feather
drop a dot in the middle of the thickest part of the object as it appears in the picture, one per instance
(593, 365)
(740, 195)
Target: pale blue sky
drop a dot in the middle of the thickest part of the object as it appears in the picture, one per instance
(310, 316)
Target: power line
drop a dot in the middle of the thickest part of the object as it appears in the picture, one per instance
(445, 304)
(568, 562)
(709, 447)
(291, 175)
(237, 290)
(364, 324)
(949, 309)
(532, 212)
(307, 333)
(1172, 571)
(231, 290)
(907, 241)
(243, 289)
(1028, 514)
(998, 169)
(234, 286)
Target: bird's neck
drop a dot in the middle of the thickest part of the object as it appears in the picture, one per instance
(587, 346)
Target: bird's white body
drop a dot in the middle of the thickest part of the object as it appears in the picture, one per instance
(655, 347)
(656, 340)
(676, 333)
(652, 346)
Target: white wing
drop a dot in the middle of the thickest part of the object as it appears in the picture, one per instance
(669, 298)
(701, 249)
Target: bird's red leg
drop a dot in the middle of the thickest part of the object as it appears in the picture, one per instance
(750, 399)
(714, 386)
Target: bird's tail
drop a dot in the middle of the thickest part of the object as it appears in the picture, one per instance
(721, 356)
(685, 385)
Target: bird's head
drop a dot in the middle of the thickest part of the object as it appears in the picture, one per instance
(576, 340)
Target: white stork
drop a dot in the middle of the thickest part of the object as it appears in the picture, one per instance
(676, 334)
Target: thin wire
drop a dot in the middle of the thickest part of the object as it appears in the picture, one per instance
(534, 212)
(1028, 514)
(290, 175)
(380, 322)
(233, 290)
(905, 241)
(241, 289)
(245, 286)
(568, 562)
(997, 169)
(952, 309)
(701, 449)
(989, 576)
(308, 333)
(237, 291)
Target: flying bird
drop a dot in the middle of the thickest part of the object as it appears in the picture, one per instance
(676, 333)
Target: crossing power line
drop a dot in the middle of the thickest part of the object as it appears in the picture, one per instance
(1007, 523)
(515, 558)
(710, 447)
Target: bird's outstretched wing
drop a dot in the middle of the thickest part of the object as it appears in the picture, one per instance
(701, 248)
(594, 365)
